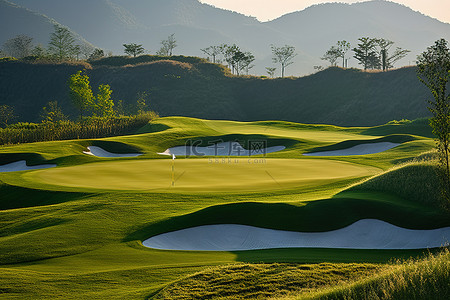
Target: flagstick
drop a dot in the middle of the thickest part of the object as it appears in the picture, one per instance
(173, 169)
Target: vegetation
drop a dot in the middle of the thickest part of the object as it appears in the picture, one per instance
(6, 115)
(213, 51)
(93, 127)
(434, 73)
(193, 87)
(167, 46)
(133, 49)
(62, 43)
(257, 281)
(415, 279)
(284, 56)
(71, 240)
(19, 47)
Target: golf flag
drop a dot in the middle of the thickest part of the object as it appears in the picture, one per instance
(173, 169)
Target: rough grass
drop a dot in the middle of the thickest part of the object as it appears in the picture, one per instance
(259, 281)
(416, 181)
(427, 278)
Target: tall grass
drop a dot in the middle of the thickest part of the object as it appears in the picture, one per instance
(416, 181)
(66, 130)
(428, 278)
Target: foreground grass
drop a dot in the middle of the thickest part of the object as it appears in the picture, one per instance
(251, 281)
(416, 279)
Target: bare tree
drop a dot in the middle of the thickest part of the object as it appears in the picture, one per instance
(167, 46)
(212, 51)
(342, 49)
(19, 46)
(283, 55)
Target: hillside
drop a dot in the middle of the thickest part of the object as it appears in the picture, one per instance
(15, 20)
(190, 86)
(110, 23)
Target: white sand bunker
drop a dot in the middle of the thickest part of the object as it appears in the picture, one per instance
(364, 234)
(22, 166)
(221, 149)
(361, 149)
(99, 152)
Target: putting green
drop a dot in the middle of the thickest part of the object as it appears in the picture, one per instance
(202, 175)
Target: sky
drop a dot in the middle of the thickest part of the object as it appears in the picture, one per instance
(265, 10)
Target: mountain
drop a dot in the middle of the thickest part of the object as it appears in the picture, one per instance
(111, 23)
(322, 25)
(190, 86)
(15, 20)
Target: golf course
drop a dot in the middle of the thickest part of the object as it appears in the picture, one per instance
(187, 208)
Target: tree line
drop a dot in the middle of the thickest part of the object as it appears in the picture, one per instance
(371, 53)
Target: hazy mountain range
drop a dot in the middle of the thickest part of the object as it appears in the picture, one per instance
(110, 23)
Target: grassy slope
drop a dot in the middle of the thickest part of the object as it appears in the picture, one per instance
(73, 244)
(190, 86)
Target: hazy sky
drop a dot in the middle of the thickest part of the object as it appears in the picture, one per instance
(270, 9)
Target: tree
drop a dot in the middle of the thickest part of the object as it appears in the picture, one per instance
(142, 104)
(97, 54)
(76, 52)
(237, 60)
(318, 68)
(133, 49)
(271, 71)
(81, 92)
(6, 115)
(19, 46)
(366, 53)
(283, 55)
(104, 106)
(52, 113)
(167, 46)
(433, 68)
(86, 50)
(61, 43)
(342, 49)
(212, 51)
(399, 53)
(39, 51)
(331, 55)
(387, 61)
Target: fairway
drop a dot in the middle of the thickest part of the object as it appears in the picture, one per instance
(73, 229)
(203, 175)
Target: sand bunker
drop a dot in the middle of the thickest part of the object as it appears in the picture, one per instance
(362, 149)
(22, 166)
(363, 234)
(220, 149)
(99, 152)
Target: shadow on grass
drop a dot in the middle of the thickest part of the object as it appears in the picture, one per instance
(13, 197)
(316, 216)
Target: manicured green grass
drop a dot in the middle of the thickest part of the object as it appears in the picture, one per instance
(229, 175)
(77, 235)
